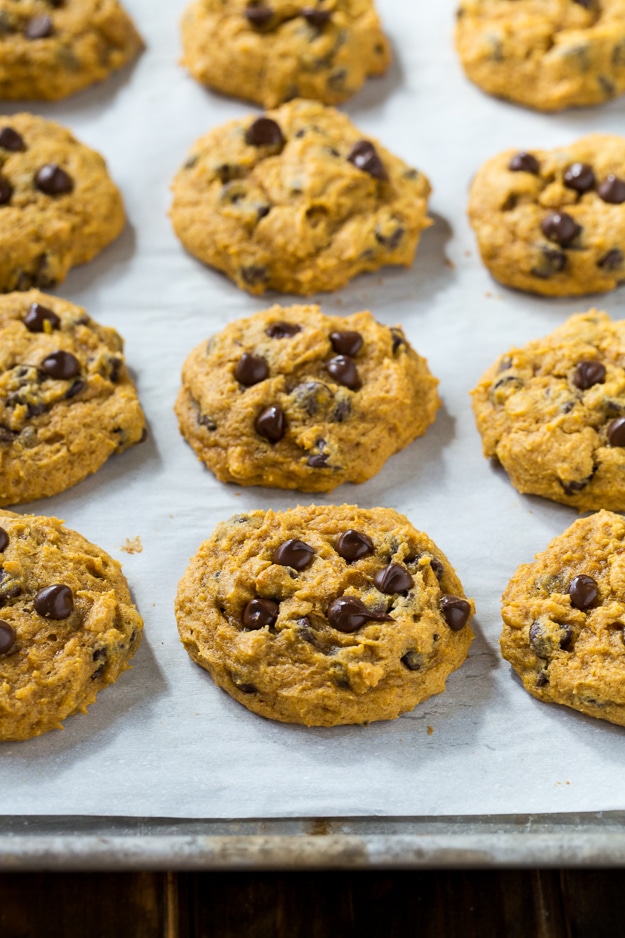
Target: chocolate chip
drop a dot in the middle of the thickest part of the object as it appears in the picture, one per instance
(76, 388)
(524, 163)
(542, 678)
(4, 540)
(456, 612)
(294, 553)
(348, 614)
(264, 132)
(315, 16)
(412, 660)
(612, 260)
(343, 369)
(54, 602)
(551, 262)
(52, 180)
(282, 330)
(583, 591)
(271, 423)
(61, 365)
(7, 637)
(319, 461)
(11, 140)
(260, 612)
(437, 567)
(365, 157)
(612, 190)
(587, 374)
(6, 190)
(560, 227)
(254, 275)
(580, 177)
(393, 579)
(616, 432)
(251, 369)
(346, 343)
(342, 411)
(389, 241)
(38, 315)
(39, 27)
(99, 654)
(399, 340)
(353, 545)
(258, 16)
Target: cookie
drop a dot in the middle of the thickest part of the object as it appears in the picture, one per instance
(553, 413)
(297, 201)
(67, 624)
(324, 615)
(58, 205)
(294, 399)
(553, 221)
(545, 54)
(273, 52)
(564, 619)
(51, 48)
(67, 402)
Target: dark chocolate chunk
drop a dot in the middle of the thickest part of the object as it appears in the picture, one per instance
(456, 612)
(271, 423)
(6, 191)
(612, 190)
(52, 180)
(4, 540)
(346, 343)
(12, 141)
(365, 157)
(393, 579)
(612, 260)
(560, 227)
(616, 432)
(61, 365)
(587, 374)
(583, 591)
(348, 614)
(343, 369)
(39, 27)
(54, 602)
(294, 553)
(412, 660)
(38, 315)
(524, 163)
(260, 612)
(580, 177)
(551, 262)
(251, 369)
(315, 16)
(258, 16)
(353, 545)
(282, 330)
(264, 132)
(7, 637)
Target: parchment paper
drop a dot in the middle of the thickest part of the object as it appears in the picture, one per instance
(164, 741)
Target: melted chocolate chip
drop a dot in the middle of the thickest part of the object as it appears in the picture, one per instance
(365, 157)
(7, 637)
(282, 330)
(38, 315)
(316, 17)
(348, 614)
(583, 591)
(353, 545)
(612, 260)
(560, 227)
(393, 579)
(4, 540)
(12, 141)
(6, 191)
(251, 369)
(346, 343)
(456, 612)
(54, 602)
(524, 163)
(39, 27)
(616, 432)
(587, 374)
(260, 612)
(412, 660)
(343, 369)
(61, 365)
(258, 16)
(580, 177)
(52, 180)
(612, 190)
(294, 553)
(264, 132)
(271, 423)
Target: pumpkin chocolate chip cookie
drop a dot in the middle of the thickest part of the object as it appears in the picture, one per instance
(67, 402)
(297, 201)
(273, 52)
(294, 399)
(67, 624)
(324, 615)
(553, 221)
(50, 49)
(564, 619)
(545, 54)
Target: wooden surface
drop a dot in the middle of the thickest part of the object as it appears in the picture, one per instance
(501, 904)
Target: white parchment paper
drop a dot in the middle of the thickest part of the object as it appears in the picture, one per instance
(164, 741)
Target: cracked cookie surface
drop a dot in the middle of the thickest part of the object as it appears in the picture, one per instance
(564, 619)
(297, 201)
(273, 52)
(544, 54)
(67, 402)
(553, 221)
(553, 413)
(50, 49)
(324, 615)
(291, 398)
(67, 624)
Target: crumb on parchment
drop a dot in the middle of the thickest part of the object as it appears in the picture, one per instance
(132, 545)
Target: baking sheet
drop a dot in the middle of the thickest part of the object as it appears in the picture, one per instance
(164, 741)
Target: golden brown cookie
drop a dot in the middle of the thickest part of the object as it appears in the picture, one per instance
(295, 399)
(545, 54)
(51, 48)
(67, 402)
(67, 624)
(553, 221)
(58, 204)
(564, 619)
(324, 615)
(297, 201)
(273, 52)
